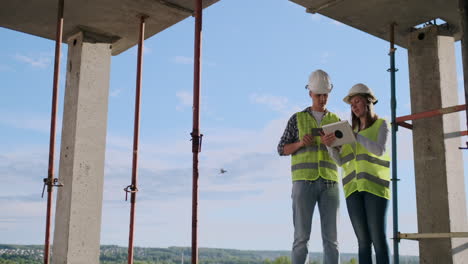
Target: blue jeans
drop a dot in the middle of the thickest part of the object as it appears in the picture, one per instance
(305, 195)
(368, 217)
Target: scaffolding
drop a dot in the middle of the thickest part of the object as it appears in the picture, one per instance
(196, 136)
(401, 121)
(51, 181)
(133, 187)
(393, 104)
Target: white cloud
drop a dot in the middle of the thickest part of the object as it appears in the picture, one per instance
(115, 92)
(189, 61)
(39, 61)
(4, 68)
(30, 121)
(182, 60)
(316, 17)
(208, 63)
(146, 50)
(342, 113)
(404, 146)
(115, 141)
(185, 100)
(276, 103)
(325, 56)
(153, 156)
(408, 106)
(337, 23)
(461, 92)
(23, 209)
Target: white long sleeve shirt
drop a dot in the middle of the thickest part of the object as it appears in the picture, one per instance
(377, 148)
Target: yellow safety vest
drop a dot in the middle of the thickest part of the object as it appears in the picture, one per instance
(363, 171)
(310, 163)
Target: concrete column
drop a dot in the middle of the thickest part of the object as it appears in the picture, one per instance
(79, 201)
(440, 185)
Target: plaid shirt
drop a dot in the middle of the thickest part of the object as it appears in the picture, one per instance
(291, 133)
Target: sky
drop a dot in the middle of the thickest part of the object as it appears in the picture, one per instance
(257, 55)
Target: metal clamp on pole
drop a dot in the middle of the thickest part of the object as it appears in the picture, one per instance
(196, 142)
(50, 183)
(464, 147)
(130, 189)
(393, 70)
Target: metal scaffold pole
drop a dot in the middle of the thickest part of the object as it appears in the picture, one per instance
(51, 181)
(392, 70)
(196, 136)
(133, 189)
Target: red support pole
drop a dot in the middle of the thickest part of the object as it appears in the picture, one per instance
(404, 124)
(196, 136)
(136, 128)
(446, 110)
(50, 181)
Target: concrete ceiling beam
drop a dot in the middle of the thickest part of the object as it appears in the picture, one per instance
(375, 16)
(116, 19)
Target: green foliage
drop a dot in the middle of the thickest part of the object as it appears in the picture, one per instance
(18, 260)
(21, 254)
(282, 260)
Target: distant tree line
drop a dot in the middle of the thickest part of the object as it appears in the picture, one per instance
(11, 254)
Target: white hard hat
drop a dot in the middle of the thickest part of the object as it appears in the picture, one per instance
(319, 82)
(360, 89)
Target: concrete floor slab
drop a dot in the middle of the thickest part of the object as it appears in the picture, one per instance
(116, 19)
(375, 16)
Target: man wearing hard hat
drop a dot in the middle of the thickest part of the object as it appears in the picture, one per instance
(314, 172)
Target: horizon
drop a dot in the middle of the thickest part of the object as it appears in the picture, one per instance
(200, 248)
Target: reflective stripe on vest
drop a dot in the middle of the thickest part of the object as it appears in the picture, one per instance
(312, 162)
(347, 158)
(374, 160)
(328, 165)
(364, 171)
(348, 178)
(367, 176)
(301, 166)
(311, 149)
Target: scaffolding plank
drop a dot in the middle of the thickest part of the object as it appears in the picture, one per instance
(417, 236)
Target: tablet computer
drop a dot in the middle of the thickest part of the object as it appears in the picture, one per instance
(343, 132)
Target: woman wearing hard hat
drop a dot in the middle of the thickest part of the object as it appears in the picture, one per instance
(365, 174)
(314, 173)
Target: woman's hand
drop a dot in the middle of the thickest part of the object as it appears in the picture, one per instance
(327, 139)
